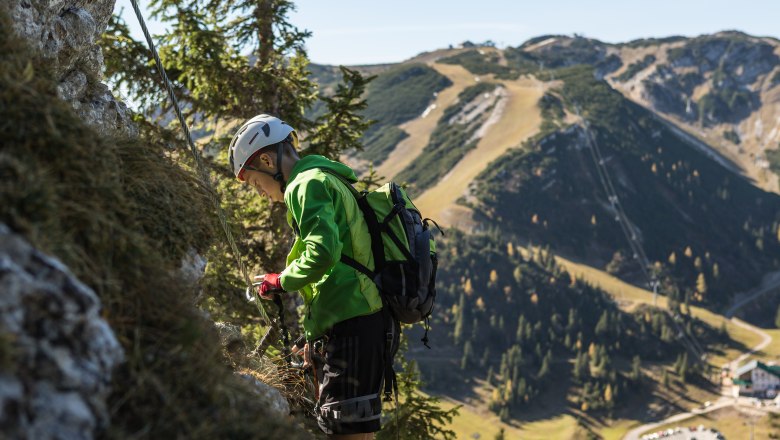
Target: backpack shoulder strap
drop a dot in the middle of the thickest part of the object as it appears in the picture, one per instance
(374, 230)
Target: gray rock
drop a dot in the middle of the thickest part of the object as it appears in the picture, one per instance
(61, 352)
(66, 32)
(268, 394)
(73, 86)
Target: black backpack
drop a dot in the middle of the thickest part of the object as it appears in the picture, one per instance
(404, 252)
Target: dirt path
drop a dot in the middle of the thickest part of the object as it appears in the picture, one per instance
(765, 341)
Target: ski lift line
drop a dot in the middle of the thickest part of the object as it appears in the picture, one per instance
(689, 342)
(623, 220)
(203, 173)
(609, 188)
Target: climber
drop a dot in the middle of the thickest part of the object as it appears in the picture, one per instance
(343, 310)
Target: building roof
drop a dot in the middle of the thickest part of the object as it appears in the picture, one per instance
(771, 369)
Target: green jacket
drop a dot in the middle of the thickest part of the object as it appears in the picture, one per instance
(327, 223)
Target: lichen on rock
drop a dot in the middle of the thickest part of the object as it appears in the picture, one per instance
(59, 351)
(65, 32)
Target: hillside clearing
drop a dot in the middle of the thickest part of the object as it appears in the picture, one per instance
(520, 120)
(420, 129)
(628, 296)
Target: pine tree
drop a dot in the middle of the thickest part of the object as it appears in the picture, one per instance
(468, 287)
(571, 322)
(580, 366)
(372, 180)
(493, 280)
(227, 60)
(485, 360)
(522, 388)
(467, 355)
(701, 285)
(459, 318)
(602, 327)
(420, 417)
(518, 276)
(544, 370)
(520, 334)
(636, 369)
(777, 317)
(504, 414)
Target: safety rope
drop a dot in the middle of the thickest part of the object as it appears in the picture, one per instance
(688, 340)
(204, 174)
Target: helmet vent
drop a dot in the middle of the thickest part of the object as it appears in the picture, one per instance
(253, 137)
(266, 129)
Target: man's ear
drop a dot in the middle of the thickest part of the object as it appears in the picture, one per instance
(266, 160)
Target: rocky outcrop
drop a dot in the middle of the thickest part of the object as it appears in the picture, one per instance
(66, 32)
(56, 351)
(273, 399)
(726, 66)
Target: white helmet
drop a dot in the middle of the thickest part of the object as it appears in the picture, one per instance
(258, 132)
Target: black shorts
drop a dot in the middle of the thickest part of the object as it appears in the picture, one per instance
(351, 370)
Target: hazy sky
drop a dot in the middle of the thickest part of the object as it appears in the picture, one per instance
(363, 32)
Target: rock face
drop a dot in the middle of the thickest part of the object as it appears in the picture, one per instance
(726, 65)
(66, 32)
(56, 352)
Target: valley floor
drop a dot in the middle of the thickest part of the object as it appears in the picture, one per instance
(681, 403)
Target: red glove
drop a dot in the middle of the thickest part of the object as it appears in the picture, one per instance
(270, 284)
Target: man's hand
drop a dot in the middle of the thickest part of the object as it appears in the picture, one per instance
(268, 285)
(305, 352)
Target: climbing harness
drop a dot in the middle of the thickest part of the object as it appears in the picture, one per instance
(204, 175)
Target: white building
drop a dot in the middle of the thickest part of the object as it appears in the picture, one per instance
(757, 379)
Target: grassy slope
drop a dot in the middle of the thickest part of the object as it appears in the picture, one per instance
(628, 296)
(420, 129)
(519, 121)
(472, 420)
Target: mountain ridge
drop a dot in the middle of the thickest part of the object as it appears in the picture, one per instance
(550, 74)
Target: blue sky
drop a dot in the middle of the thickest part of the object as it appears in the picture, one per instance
(366, 32)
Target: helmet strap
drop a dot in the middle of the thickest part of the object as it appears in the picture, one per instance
(279, 176)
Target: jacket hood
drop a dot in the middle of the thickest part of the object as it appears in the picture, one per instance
(316, 161)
